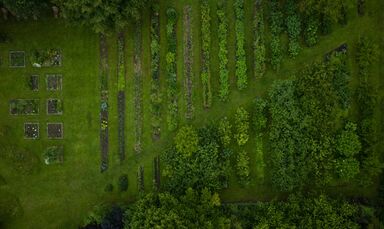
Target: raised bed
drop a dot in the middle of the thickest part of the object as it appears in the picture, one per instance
(31, 130)
(54, 82)
(55, 130)
(54, 107)
(33, 82)
(46, 58)
(17, 59)
(24, 107)
(54, 155)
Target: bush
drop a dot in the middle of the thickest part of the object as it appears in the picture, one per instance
(123, 183)
(276, 22)
(311, 30)
(259, 44)
(186, 140)
(206, 43)
(242, 167)
(241, 126)
(225, 131)
(293, 28)
(276, 54)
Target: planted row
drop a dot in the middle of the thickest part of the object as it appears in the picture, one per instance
(138, 75)
(206, 43)
(241, 65)
(171, 70)
(188, 61)
(276, 26)
(223, 53)
(155, 73)
(121, 95)
(259, 43)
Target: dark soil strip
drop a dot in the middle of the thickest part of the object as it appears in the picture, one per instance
(156, 172)
(104, 103)
(155, 83)
(140, 179)
(188, 61)
(121, 96)
(138, 90)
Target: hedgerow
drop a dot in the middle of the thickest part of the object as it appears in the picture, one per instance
(293, 24)
(276, 22)
(241, 65)
(241, 126)
(259, 44)
(206, 43)
(223, 53)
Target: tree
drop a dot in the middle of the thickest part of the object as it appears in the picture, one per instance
(26, 8)
(103, 15)
(186, 140)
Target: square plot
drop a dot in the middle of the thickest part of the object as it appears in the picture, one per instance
(54, 107)
(55, 130)
(17, 59)
(31, 130)
(54, 82)
(33, 82)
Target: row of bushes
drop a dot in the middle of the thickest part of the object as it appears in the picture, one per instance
(171, 70)
(293, 24)
(155, 73)
(206, 43)
(138, 75)
(223, 53)
(276, 22)
(259, 43)
(241, 65)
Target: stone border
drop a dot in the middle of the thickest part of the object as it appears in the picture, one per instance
(38, 130)
(62, 130)
(60, 80)
(10, 62)
(46, 106)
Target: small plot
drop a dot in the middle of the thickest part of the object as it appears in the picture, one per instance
(24, 107)
(54, 107)
(54, 155)
(46, 58)
(55, 130)
(31, 130)
(33, 82)
(54, 82)
(17, 59)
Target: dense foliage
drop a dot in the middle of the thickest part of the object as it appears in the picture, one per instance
(241, 126)
(26, 8)
(293, 24)
(259, 43)
(276, 27)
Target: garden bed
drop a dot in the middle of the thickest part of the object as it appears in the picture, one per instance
(54, 107)
(24, 107)
(17, 59)
(54, 82)
(138, 90)
(33, 82)
(140, 178)
(55, 130)
(31, 130)
(46, 58)
(54, 155)
(156, 172)
(121, 95)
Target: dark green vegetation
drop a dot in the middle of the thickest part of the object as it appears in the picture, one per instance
(287, 121)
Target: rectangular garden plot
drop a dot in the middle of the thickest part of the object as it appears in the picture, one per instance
(31, 130)
(55, 130)
(46, 58)
(54, 82)
(24, 107)
(54, 155)
(17, 59)
(33, 82)
(54, 107)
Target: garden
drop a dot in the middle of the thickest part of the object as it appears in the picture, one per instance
(191, 114)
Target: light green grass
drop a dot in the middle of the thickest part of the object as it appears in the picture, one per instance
(59, 196)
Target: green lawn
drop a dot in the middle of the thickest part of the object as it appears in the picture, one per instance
(59, 196)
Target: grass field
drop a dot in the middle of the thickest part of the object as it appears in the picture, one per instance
(59, 196)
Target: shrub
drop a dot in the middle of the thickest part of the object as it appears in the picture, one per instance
(225, 131)
(276, 22)
(186, 140)
(293, 28)
(259, 44)
(206, 43)
(242, 167)
(310, 32)
(123, 183)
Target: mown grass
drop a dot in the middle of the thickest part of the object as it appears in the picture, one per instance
(59, 196)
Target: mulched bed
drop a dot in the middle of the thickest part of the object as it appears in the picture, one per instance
(31, 130)
(54, 82)
(188, 60)
(104, 141)
(156, 172)
(17, 59)
(55, 130)
(54, 107)
(24, 107)
(33, 82)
